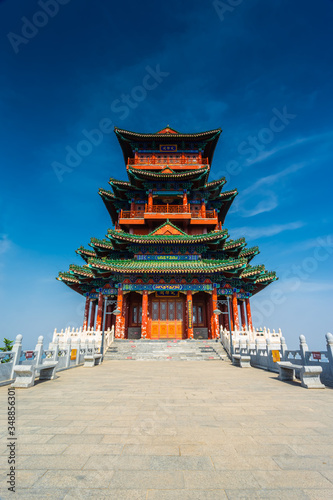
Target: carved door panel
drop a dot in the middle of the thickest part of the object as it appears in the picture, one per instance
(163, 319)
(155, 320)
(179, 319)
(167, 319)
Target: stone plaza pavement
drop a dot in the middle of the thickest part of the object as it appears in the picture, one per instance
(170, 430)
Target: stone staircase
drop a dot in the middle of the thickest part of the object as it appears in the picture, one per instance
(166, 350)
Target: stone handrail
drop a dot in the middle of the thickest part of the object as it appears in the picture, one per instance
(263, 348)
(240, 338)
(67, 349)
(84, 335)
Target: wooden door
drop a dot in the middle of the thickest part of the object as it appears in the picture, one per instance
(167, 318)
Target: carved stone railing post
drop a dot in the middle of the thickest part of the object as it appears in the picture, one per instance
(329, 340)
(68, 354)
(86, 346)
(93, 346)
(283, 347)
(78, 347)
(17, 351)
(303, 348)
(39, 349)
(55, 346)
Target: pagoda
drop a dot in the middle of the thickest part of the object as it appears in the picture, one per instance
(167, 268)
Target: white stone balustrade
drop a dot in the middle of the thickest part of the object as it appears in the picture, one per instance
(265, 342)
(84, 335)
(244, 338)
(67, 351)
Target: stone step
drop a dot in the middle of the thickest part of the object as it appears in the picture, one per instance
(165, 350)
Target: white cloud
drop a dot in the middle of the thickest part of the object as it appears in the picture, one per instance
(251, 233)
(289, 145)
(325, 241)
(272, 179)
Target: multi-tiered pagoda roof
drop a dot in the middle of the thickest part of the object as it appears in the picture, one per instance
(168, 222)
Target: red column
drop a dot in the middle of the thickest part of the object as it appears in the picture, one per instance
(235, 310)
(108, 318)
(203, 209)
(248, 314)
(215, 332)
(144, 325)
(185, 198)
(242, 311)
(86, 313)
(99, 312)
(150, 201)
(92, 314)
(231, 314)
(120, 333)
(189, 314)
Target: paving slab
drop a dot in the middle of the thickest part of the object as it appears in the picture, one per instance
(160, 431)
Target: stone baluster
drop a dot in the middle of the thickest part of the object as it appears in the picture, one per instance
(248, 346)
(78, 347)
(268, 345)
(329, 340)
(40, 349)
(16, 351)
(68, 354)
(55, 346)
(303, 348)
(86, 345)
(93, 345)
(257, 347)
(283, 348)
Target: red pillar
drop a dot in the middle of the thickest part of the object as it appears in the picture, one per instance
(189, 314)
(86, 313)
(211, 317)
(242, 311)
(215, 332)
(120, 321)
(184, 198)
(248, 314)
(203, 209)
(92, 314)
(108, 319)
(235, 310)
(99, 312)
(144, 325)
(150, 201)
(231, 314)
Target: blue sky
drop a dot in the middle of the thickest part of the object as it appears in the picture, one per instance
(260, 70)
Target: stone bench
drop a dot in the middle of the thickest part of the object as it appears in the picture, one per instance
(92, 359)
(309, 375)
(242, 361)
(25, 374)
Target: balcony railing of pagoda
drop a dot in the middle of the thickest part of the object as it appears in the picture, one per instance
(210, 214)
(168, 160)
(168, 209)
